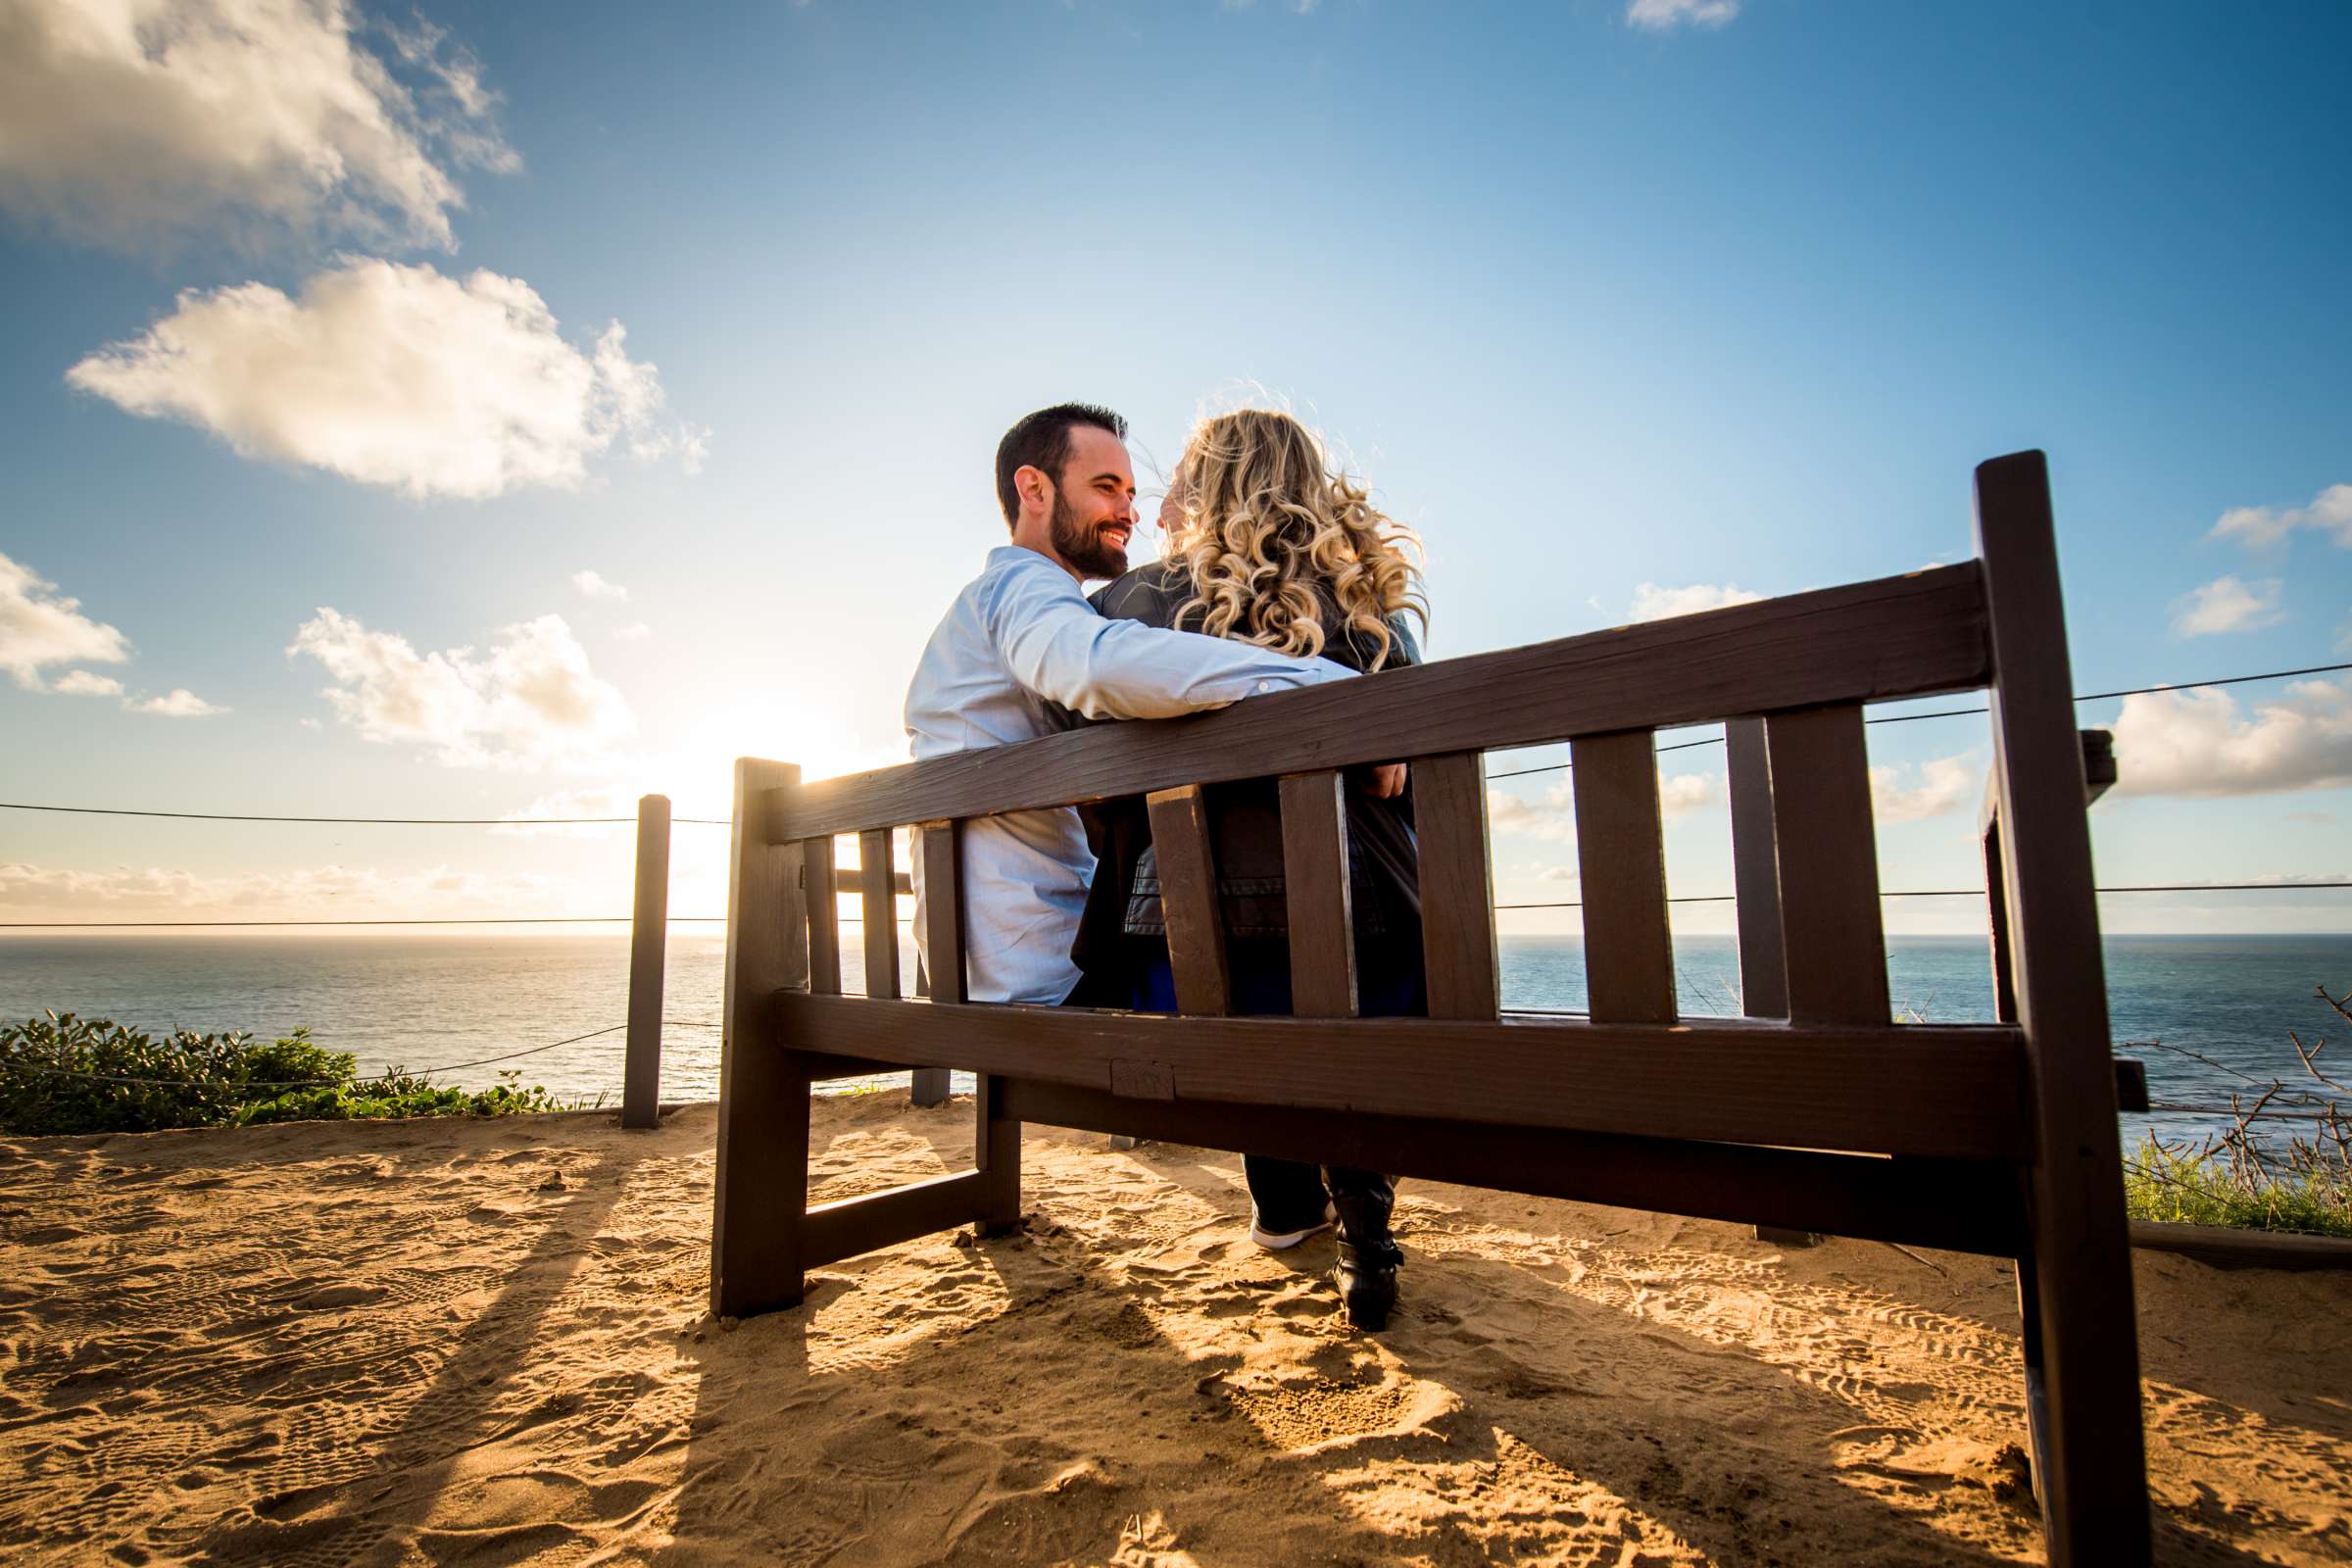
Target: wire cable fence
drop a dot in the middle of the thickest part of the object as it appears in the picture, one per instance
(16, 1062)
(1963, 712)
(657, 918)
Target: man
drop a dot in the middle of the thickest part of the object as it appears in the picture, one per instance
(1021, 639)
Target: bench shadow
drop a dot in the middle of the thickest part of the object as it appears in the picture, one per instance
(1515, 1395)
(800, 1447)
(346, 1520)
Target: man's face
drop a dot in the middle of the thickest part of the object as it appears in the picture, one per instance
(1094, 504)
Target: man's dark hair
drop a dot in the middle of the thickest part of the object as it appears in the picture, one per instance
(1043, 441)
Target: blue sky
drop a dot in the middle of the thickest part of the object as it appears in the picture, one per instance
(1625, 308)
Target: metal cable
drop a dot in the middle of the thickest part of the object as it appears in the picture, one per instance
(1978, 893)
(381, 822)
(1960, 713)
(10, 1063)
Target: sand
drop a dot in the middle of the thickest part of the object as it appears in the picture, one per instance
(485, 1343)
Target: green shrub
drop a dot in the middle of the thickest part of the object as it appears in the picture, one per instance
(2202, 1186)
(66, 1074)
(2283, 1163)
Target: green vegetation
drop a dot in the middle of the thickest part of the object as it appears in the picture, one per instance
(2201, 1186)
(2249, 1175)
(65, 1074)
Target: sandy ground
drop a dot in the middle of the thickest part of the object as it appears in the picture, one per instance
(484, 1342)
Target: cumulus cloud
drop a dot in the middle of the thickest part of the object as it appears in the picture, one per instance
(39, 627)
(1653, 603)
(136, 122)
(393, 375)
(85, 683)
(1904, 794)
(532, 701)
(180, 704)
(2267, 527)
(609, 800)
(35, 892)
(594, 586)
(1658, 16)
(2197, 742)
(2227, 605)
(1553, 815)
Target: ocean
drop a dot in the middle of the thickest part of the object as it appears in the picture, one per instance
(430, 1003)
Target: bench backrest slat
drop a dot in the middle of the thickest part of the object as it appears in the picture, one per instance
(1906, 636)
(1314, 877)
(1755, 871)
(1621, 872)
(878, 880)
(1834, 944)
(1188, 898)
(937, 847)
(1458, 887)
(820, 881)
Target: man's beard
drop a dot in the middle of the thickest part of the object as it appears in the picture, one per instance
(1083, 547)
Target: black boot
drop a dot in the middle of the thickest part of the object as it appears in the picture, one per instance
(1366, 1274)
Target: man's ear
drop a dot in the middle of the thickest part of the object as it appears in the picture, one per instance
(1032, 487)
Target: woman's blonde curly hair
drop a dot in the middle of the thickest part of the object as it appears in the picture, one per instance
(1272, 532)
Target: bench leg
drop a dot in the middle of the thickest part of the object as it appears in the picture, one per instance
(930, 1086)
(761, 1194)
(2038, 1393)
(2082, 1384)
(997, 1150)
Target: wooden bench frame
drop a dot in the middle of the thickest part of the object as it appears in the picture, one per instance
(1997, 1138)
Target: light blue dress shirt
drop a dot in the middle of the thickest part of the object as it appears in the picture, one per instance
(1017, 641)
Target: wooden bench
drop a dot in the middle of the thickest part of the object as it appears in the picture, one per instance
(1996, 1139)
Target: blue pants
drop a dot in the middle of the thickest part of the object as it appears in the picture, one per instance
(1290, 1195)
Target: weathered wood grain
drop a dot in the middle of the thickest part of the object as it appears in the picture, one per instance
(1964, 1206)
(1621, 868)
(1869, 642)
(760, 1181)
(2094, 1476)
(1187, 899)
(877, 878)
(1755, 871)
(1458, 887)
(1952, 1091)
(1831, 930)
(820, 886)
(1314, 879)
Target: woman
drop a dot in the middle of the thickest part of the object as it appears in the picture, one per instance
(1269, 543)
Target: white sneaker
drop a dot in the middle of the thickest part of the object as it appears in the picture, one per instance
(1284, 1241)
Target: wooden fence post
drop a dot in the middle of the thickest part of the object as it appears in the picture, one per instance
(649, 940)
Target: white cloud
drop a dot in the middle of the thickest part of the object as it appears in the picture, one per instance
(82, 683)
(391, 375)
(1944, 784)
(180, 704)
(37, 627)
(1553, 815)
(2196, 743)
(594, 586)
(1660, 15)
(1685, 793)
(2227, 605)
(635, 632)
(32, 891)
(2267, 527)
(532, 701)
(611, 800)
(1653, 603)
(134, 123)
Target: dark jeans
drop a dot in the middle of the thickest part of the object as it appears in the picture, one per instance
(1290, 1195)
